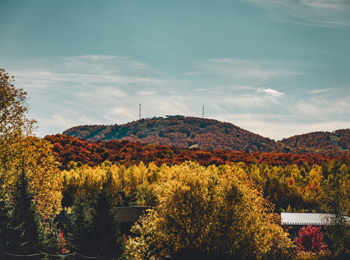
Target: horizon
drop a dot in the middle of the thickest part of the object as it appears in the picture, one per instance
(274, 68)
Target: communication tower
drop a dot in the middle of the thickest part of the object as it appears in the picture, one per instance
(139, 111)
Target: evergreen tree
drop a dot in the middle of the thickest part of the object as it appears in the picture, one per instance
(94, 229)
(26, 235)
(3, 219)
(338, 202)
(81, 236)
(106, 228)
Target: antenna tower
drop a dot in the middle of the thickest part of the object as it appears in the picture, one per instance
(139, 111)
(203, 111)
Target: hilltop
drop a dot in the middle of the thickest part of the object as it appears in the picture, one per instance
(210, 134)
(179, 131)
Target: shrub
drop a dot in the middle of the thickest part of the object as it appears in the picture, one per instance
(310, 240)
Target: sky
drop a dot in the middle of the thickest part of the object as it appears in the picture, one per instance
(277, 68)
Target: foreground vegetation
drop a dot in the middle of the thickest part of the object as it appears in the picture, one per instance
(56, 201)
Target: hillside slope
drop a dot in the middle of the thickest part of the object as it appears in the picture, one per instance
(209, 134)
(179, 131)
(320, 142)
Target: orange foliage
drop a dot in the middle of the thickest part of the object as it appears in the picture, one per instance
(70, 149)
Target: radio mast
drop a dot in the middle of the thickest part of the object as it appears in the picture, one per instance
(203, 111)
(139, 111)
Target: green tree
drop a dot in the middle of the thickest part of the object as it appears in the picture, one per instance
(81, 229)
(106, 227)
(95, 229)
(3, 220)
(337, 202)
(26, 235)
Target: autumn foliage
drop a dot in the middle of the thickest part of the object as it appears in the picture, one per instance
(208, 213)
(310, 239)
(70, 150)
(210, 134)
(179, 131)
(218, 203)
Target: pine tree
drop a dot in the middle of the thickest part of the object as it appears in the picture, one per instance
(106, 228)
(94, 229)
(3, 219)
(80, 229)
(26, 235)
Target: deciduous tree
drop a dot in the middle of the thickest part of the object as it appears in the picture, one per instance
(211, 212)
(20, 150)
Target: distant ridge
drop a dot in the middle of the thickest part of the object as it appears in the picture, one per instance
(320, 142)
(210, 134)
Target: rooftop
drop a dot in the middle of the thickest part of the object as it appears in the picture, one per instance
(302, 219)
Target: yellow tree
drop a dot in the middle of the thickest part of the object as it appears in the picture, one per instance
(208, 212)
(21, 152)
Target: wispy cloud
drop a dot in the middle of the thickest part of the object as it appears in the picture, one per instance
(118, 111)
(321, 108)
(245, 70)
(272, 92)
(318, 91)
(324, 13)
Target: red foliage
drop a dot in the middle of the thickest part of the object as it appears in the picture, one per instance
(334, 143)
(310, 240)
(62, 243)
(70, 149)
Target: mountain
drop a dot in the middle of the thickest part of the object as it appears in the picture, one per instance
(210, 134)
(179, 131)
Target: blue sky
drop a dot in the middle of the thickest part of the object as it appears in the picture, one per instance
(277, 68)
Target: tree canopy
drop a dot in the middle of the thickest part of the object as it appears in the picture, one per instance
(21, 151)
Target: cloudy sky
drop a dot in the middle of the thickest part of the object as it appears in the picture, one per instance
(277, 68)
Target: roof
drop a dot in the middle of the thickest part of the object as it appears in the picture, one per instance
(301, 219)
(130, 214)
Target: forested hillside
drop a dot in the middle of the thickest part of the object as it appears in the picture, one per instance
(179, 131)
(209, 134)
(321, 142)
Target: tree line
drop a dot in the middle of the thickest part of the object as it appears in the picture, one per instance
(70, 150)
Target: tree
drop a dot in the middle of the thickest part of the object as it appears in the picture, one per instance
(26, 235)
(107, 232)
(43, 176)
(337, 202)
(3, 219)
(95, 230)
(213, 213)
(310, 240)
(13, 107)
(21, 151)
(81, 229)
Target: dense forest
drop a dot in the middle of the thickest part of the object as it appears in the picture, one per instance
(59, 196)
(71, 150)
(209, 134)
